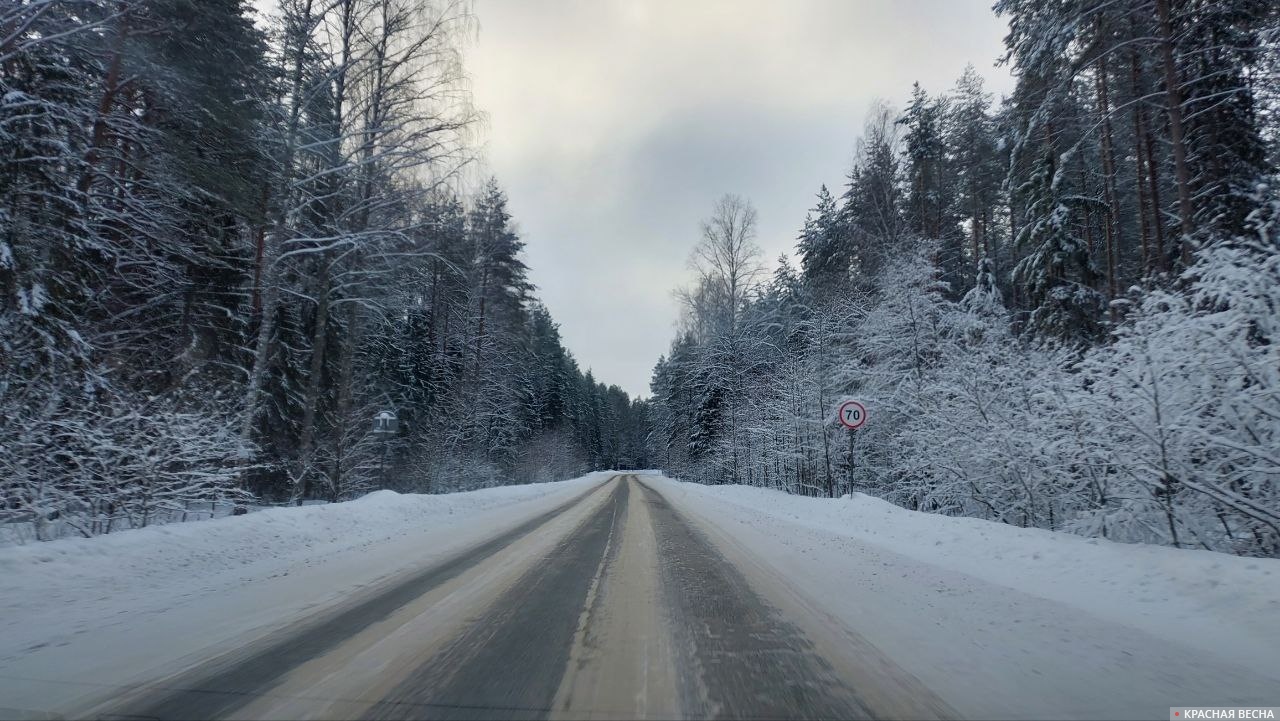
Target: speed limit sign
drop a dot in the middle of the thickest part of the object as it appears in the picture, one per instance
(852, 414)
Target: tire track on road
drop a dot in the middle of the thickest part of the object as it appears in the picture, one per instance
(509, 662)
(225, 684)
(739, 658)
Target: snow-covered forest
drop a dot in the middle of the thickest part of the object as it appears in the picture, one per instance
(229, 238)
(232, 232)
(1062, 309)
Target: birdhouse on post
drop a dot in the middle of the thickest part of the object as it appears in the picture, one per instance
(385, 423)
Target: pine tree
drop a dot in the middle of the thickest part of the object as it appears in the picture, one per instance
(1057, 271)
(827, 255)
(1218, 46)
(976, 164)
(871, 209)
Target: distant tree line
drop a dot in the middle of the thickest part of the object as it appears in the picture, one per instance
(227, 241)
(1063, 310)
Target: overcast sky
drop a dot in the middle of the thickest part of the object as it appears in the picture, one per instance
(614, 125)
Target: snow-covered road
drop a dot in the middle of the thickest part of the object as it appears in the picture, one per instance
(627, 596)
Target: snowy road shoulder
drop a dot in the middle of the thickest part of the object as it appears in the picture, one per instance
(1005, 622)
(78, 614)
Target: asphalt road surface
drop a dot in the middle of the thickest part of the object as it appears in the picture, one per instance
(613, 605)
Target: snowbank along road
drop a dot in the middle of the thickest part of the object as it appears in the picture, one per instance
(611, 605)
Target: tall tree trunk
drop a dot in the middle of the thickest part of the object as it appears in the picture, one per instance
(259, 243)
(1139, 159)
(333, 211)
(1153, 190)
(270, 290)
(829, 481)
(1173, 95)
(311, 397)
(484, 292)
(987, 246)
(1111, 231)
(262, 349)
(110, 89)
(1088, 215)
(976, 229)
(346, 371)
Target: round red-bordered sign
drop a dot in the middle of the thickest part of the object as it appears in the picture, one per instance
(852, 414)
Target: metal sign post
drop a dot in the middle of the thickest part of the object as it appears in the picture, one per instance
(852, 415)
(385, 424)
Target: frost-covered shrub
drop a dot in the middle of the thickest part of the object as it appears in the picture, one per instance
(1187, 402)
(69, 466)
(1166, 432)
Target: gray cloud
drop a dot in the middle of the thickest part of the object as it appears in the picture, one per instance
(615, 124)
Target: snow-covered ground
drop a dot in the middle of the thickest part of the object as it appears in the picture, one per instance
(1006, 622)
(76, 614)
